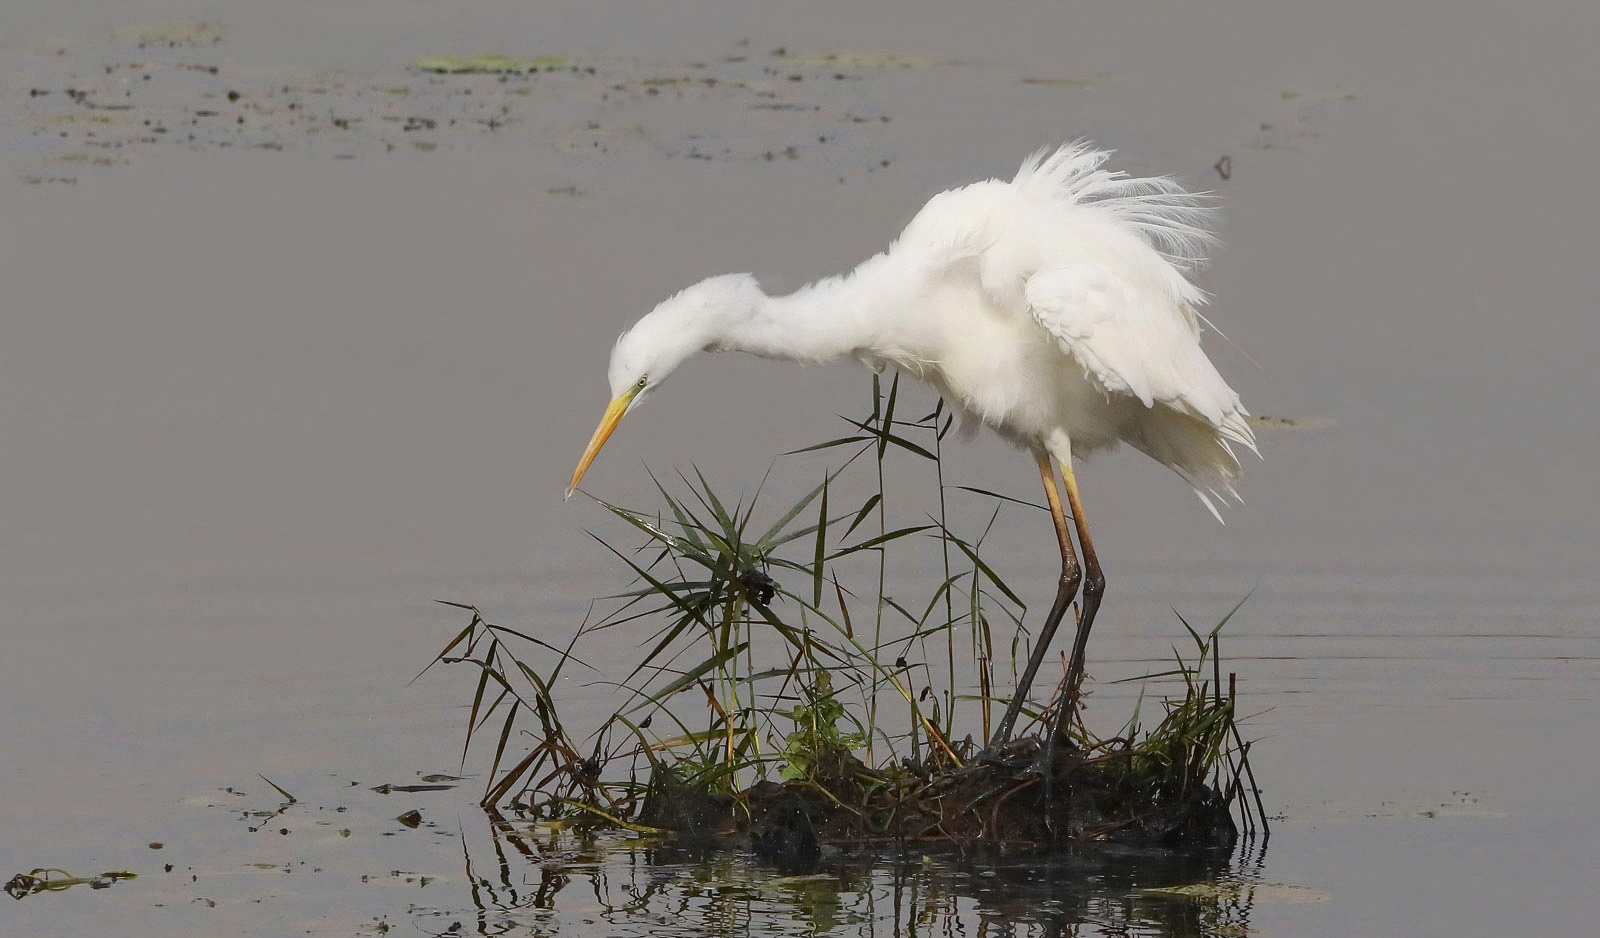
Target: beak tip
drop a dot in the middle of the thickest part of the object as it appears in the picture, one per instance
(608, 423)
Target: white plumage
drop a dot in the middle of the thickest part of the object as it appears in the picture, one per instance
(1054, 308)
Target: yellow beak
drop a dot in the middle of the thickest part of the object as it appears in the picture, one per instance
(608, 423)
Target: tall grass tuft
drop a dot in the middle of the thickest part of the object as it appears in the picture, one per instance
(769, 694)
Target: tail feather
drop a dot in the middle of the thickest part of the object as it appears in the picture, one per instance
(1195, 449)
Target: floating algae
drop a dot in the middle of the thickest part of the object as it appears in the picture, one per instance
(488, 64)
(1238, 892)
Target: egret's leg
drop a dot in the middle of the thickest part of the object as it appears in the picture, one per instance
(1094, 587)
(1071, 575)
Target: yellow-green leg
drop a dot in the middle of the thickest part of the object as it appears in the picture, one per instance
(1071, 576)
(1094, 587)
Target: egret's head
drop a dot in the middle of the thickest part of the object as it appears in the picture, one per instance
(688, 322)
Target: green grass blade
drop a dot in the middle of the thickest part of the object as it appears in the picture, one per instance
(887, 423)
(882, 438)
(861, 515)
(988, 573)
(1236, 606)
(291, 799)
(938, 594)
(461, 636)
(880, 539)
(765, 542)
(714, 504)
(660, 586)
(821, 546)
(789, 633)
(830, 444)
(495, 704)
(1005, 498)
(564, 652)
(693, 675)
(505, 738)
(484, 671)
(682, 546)
(797, 533)
(691, 526)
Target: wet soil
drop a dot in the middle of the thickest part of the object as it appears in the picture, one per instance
(1001, 800)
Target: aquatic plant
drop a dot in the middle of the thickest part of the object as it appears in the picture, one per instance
(771, 700)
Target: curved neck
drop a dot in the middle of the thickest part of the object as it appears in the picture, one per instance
(827, 318)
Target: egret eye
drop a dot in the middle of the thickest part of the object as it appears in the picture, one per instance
(643, 380)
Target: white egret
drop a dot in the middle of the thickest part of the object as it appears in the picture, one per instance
(1055, 308)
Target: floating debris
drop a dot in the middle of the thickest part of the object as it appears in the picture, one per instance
(862, 59)
(50, 879)
(489, 64)
(1075, 84)
(174, 35)
(387, 788)
(1234, 891)
(1292, 423)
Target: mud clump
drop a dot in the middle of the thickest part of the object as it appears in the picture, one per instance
(693, 812)
(782, 824)
(998, 799)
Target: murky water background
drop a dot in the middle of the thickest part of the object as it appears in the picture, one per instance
(271, 391)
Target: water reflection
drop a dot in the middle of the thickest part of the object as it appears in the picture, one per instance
(533, 879)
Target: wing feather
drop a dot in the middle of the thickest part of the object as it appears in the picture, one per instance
(1143, 344)
(1129, 341)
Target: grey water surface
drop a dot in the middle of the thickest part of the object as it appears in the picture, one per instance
(295, 340)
